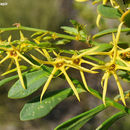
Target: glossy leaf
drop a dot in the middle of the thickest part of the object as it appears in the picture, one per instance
(36, 109)
(77, 122)
(6, 80)
(107, 123)
(108, 12)
(33, 81)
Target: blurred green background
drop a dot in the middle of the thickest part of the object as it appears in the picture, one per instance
(50, 15)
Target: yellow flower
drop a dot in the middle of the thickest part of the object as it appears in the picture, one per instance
(111, 67)
(99, 16)
(15, 55)
(62, 63)
(81, 0)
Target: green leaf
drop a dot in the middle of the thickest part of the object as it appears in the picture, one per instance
(6, 80)
(107, 123)
(101, 47)
(73, 31)
(77, 122)
(62, 42)
(108, 12)
(109, 31)
(44, 44)
(33, 81)
(36, 109)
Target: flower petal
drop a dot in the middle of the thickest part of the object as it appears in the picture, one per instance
(48, 82)
(81, 68)
(120, 89)
(24, 58)
(84, 80)
(105, 88)
(103, 78)
(70, 83)
(4, 59)
(19, 73)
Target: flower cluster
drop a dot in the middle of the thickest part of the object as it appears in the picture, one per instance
(113, 66)
(15, 51)
(63, 63)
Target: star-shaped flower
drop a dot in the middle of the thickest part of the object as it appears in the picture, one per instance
(63, 63)
(112, 67)
(15, 53)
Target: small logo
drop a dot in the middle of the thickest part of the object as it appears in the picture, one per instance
(3, 4)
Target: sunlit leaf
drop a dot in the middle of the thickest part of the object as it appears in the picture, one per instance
(33, 81)
(36, 109)
(108, 12)
(6, 80)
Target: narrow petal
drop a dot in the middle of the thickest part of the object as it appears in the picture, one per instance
(48, 82)
(88, 62)
(22, 38)
(81, 68)
(98, 20)
(19, 73)
(103, 78)
(70, 83)
(41, 61)
(84, 80)
(46, 54)
(4, 59)
(24, 58)
(88, 52)
(120, 89)
(105, 88)
(118, 32)
(13, 70)
(122, 68)
(105, 1)
(100, 53)
(10, 65)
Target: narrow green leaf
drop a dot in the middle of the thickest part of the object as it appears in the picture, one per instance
(70, 30)
(62, 42)
(36, 109)
(77, 122)
(108, 12)
(33, 81)
(73, 31)
(107, 123)
(109, 31)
